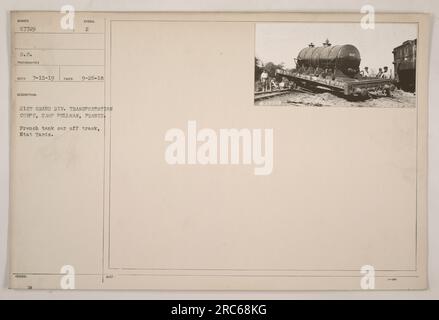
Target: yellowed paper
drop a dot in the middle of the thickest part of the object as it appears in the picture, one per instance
(148, 152)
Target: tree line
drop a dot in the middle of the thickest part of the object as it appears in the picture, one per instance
(270, 67)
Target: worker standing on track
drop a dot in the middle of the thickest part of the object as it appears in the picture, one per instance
(264, 80)
(380, 73)
(365, 72)
(386, 73)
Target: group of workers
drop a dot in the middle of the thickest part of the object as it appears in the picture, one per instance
(269, 84)
(383, 73)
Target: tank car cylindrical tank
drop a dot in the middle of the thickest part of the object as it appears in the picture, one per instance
(345, 58)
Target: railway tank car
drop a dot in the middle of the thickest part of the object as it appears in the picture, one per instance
(336, 69)
(344, 59)
(404, 61)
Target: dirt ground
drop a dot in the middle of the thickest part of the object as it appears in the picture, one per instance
(399, 99)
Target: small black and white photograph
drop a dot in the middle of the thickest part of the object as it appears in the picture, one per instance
(335, 65)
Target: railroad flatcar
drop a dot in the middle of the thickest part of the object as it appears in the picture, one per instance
(335, 69)
(404, 61)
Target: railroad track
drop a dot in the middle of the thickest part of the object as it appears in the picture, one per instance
(268, 94)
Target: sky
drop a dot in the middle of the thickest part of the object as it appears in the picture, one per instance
(281, 42)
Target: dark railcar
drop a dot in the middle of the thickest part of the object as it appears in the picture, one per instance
(404, 61)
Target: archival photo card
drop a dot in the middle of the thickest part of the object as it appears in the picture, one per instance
(218, 151)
